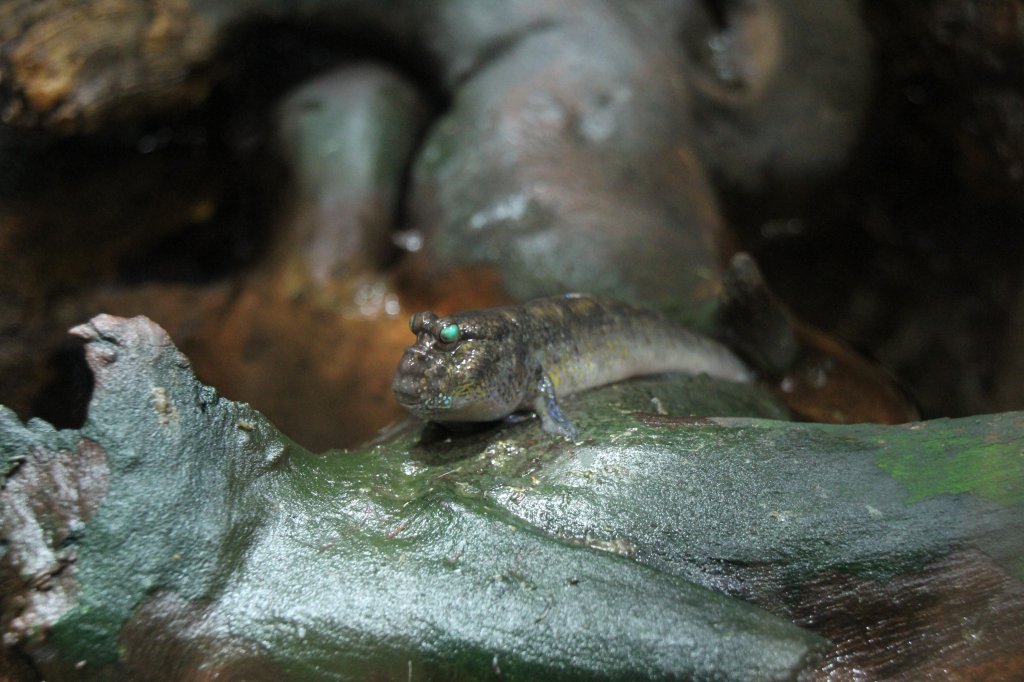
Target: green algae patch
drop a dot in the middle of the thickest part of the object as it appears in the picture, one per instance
(983, 456)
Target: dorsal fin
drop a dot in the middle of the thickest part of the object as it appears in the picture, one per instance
(753, 321)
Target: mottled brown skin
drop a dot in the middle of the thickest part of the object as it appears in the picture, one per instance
(483, 365)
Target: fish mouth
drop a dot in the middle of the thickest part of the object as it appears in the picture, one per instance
(410, 381)
(415, 382)
(406, 389)
(407, 399)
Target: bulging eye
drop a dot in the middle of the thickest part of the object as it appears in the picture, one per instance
(421, 321)
(449, 333)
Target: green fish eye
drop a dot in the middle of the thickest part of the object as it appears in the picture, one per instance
(449, 333)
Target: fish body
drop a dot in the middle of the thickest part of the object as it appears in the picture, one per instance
(483, 365)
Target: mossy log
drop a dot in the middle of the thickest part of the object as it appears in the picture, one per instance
(178, 531)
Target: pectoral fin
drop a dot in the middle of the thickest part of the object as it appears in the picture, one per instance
(545, 405)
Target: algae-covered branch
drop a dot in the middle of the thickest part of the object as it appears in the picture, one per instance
(179, 527)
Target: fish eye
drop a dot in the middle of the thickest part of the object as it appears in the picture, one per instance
(449, 333)
(421, 321)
